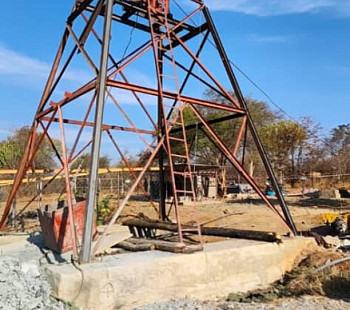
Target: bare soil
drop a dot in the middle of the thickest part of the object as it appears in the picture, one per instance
(249, 213)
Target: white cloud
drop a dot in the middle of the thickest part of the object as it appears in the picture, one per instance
(16, 65)
(338, 69)
(279, 7)
(18, 69)
(13, 63)
(268, 39)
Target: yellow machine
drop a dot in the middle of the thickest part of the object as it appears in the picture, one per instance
(339, 222)
(329, 218)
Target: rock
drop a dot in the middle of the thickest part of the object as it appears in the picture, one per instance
(332, 241)
(23, 290)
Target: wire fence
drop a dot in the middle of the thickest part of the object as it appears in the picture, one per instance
(118, 184)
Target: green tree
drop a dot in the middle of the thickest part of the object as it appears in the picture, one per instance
(285, 142)
(313, 155)
(204, 151)
(10, 155)
(83, 162)
(261, 115)
(339, 148)
(12, 149)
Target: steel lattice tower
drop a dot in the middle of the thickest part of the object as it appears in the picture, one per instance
(171, 48)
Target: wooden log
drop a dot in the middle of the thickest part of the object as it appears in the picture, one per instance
(208, 231)
(161, 245)
(189, 249)
(174, 247)
(136, 247)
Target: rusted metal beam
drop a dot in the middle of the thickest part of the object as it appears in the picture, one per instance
(104, 126)
(243, 128)
(138, 99)
(132, 172)
(82, 126)
(52, 82)
(69, 97)
(189, 71)
(197, 77)
(250, 122)
(77, 11)
(72, 225)
(188, 36)
(211, 122)
(128, 195)
(90, 22)
(26, 161)
(233, 160)
(172, 95)
(233, 101)
(142, 11)
(122, 20)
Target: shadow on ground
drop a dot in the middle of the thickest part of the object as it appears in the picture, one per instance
(298, 202)
(337, 287)
(50, 256)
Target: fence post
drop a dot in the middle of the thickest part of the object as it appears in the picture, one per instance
(13, 213)
(39, 187)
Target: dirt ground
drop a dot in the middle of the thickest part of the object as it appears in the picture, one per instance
(248, 213)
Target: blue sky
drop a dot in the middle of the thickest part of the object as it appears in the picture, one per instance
(297, 51)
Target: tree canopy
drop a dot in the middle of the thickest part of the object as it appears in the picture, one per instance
(12, 149)
(288, 143)
(83, 162)
(284, 141)
(338, 145)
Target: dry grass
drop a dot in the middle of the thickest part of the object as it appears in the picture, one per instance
(303, 280)
(332, 282)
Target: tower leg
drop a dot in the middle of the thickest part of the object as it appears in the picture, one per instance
(250, 122)
(85, 254)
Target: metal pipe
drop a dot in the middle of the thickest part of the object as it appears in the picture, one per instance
(85, 254)
(161, 133)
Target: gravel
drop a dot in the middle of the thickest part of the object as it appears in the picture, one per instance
(302, 303)
(22, 289)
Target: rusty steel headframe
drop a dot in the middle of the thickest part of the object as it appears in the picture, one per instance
(165, 35)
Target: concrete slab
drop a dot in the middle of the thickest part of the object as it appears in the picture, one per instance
(128, 280)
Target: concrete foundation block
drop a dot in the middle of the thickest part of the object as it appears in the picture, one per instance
(128, 280)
